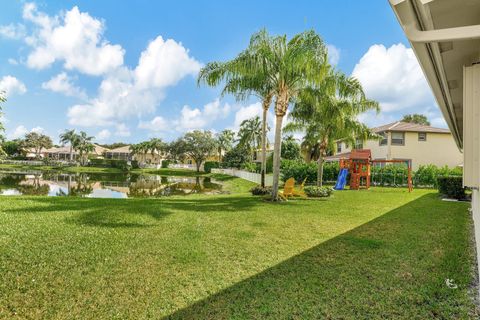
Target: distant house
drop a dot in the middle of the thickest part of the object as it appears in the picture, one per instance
(401, 140)
(124, 153)
(63, 153)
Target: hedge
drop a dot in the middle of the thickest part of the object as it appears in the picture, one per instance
(209, 165)
(113, 163)
(165, 164)
(301, 170)
(451, 187)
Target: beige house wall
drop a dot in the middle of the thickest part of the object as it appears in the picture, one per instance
(439, 149)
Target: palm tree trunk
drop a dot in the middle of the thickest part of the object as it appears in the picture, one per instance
(71, 152)
(276, 155)
(320, 169)
(264, 146)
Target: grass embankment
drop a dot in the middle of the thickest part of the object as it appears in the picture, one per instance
(375, 254)
(72, 169)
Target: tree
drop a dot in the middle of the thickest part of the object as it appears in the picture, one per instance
(84, 146)
(199, 145)
(36, 141)
(416, 118)
(71, 137)
(2, 129)
(12, 147)
(287, 66)
(224, 142)
(250, 135)
(245, 76)
(177, 150)
(236, 157)
(329, 113)
(290, 148)
(156, 147)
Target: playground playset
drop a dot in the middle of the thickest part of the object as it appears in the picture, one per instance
(358, 165)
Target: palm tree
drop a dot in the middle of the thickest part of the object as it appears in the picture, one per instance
(245, 76)
(290, 66)
(84, 146)
(250, 134)
(224, 142)
(71, 137)
(156, 147)
(329, 113)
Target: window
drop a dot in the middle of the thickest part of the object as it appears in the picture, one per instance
(339, 147)
(384, 140)
(358, 144)
(398, 138)
(422, 136)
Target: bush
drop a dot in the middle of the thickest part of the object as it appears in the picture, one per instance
(300, 170)
(318, 192)
(209, 165)
(165, 164)
(235, 158)
(451, 187)
(249, 166)
(261, 191)
(110, 163)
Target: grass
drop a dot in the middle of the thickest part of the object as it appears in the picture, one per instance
(375, 254)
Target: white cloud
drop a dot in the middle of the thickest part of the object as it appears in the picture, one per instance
(126, 92)
(12, 31)
(157, 124)
(122, 130)
(195, 118)
(103, 135)
(12, 61)
(73, 37)
(333, 54)
(393, 77)
(163, 64)
(247, 112)
(11, 85)
(20, 131)
(62, 83)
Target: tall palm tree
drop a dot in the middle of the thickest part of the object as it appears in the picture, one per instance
(250, 134)
(225, 141)
(290, 65)
(329, 113)
(84, 146)
(71, 137)
(245, 76)
(156, 147)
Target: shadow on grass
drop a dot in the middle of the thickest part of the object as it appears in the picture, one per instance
(129, 213)
(392, 267)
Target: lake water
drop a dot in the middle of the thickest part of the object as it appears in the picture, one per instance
(103, 185)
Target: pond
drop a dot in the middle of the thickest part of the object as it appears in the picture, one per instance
(103, 185)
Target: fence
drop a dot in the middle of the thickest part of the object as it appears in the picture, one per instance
(250, 176)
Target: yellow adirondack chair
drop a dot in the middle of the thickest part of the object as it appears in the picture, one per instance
(288, 189)
(299, 192)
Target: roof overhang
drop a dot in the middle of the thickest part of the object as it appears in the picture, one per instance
(445, 36)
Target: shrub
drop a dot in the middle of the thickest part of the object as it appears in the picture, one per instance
(261, 191)
(209, 165)
(235, 158)
(249, 166)
(110, 163)
(451, 187)
(318, 192)
(165, 164)
(300, 170)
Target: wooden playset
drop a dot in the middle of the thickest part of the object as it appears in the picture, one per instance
(358, 165)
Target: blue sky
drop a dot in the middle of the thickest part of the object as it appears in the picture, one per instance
(125, 70)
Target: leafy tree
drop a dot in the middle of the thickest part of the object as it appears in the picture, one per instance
(416, 118)
(225, 141)
(36, 141)
(328, 113)
(84, 146)
(71, 137)
(199, 145)
(2, 128)
(12, 147)
(250, 135)
(236, 157)
(157, 147)
(177, 150)
(245, 76)
(290, 148)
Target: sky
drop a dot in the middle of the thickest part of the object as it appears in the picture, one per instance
(126, 70)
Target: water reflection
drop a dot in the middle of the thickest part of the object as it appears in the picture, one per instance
(103, 185)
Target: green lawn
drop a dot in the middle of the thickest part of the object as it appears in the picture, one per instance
(375, 254)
